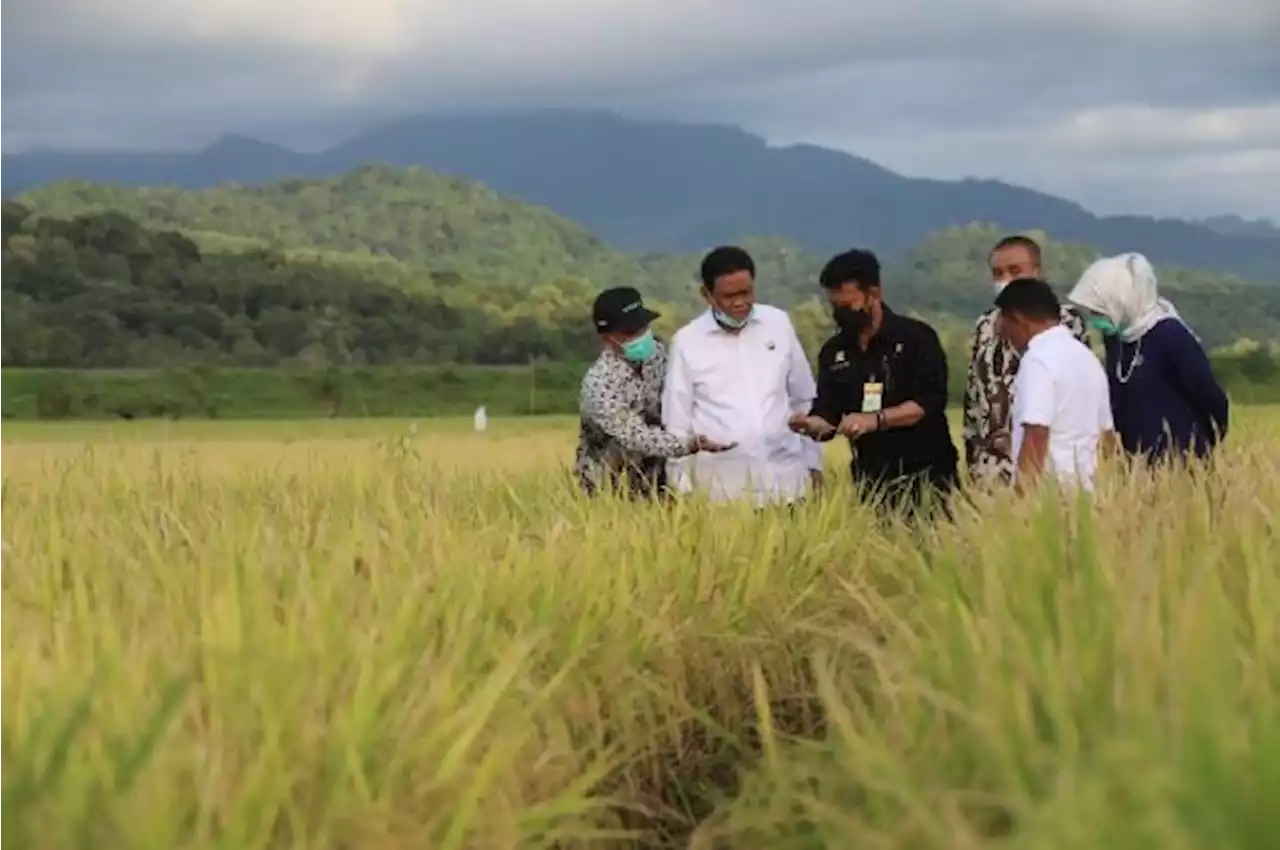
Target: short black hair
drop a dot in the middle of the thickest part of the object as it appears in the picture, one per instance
(1029, 297)
(1018, 241)
(859, 267)
(725, 260)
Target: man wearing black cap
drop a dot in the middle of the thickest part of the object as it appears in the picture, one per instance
(621, 442)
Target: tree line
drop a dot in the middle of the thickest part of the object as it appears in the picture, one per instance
(204, 392)
(433, 234)
(102, 290)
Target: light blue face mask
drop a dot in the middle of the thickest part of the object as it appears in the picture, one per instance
(641, 349)
(730, 322)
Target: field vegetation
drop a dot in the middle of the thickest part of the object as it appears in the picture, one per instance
(387, 635)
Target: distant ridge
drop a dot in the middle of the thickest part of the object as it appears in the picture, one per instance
(662, 185)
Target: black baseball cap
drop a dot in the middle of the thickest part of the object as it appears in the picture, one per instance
(621, 309)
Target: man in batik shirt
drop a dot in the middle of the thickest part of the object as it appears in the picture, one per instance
(988, 402)
(621, 442)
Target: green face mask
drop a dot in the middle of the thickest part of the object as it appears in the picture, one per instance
(1103, 325)
(641, 349)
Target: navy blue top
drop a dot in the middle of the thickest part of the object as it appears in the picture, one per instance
(1172, 404)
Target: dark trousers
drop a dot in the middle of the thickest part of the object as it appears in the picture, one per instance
(911, 495)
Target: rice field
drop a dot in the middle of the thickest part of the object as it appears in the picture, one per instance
(393, 635)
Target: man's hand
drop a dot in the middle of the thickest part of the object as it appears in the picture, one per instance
(702, 444)
(854, 425)
(814, 426)
(1033, 456)
(816, 479)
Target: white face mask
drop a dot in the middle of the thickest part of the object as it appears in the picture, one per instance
(999, 286)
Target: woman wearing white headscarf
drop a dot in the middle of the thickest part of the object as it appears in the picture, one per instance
(1165, 399)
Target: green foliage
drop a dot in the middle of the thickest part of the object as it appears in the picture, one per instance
(453, 239)
(947, 273)
(385, 267)
(297, 393)
(443, 225)
(100, 291)
(1251, 376)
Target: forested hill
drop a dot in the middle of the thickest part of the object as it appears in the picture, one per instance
(100, 290)
(103, 291)
(666, 186)
(440, 224)
(455, 240)
(449, 229)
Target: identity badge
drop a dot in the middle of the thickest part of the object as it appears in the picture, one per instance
(872, 397)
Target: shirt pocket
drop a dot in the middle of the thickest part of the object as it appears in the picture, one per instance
(895, 371)
(772, 367)
(846, 382)
(700, 368)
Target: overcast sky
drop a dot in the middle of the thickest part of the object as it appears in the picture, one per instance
(1154, 106)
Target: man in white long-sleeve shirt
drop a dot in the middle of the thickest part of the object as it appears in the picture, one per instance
(737, 374)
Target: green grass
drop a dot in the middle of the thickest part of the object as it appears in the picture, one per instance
(165, 430)
(370, 428)
(345, 634)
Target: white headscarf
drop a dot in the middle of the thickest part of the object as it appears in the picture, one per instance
(1123, 288)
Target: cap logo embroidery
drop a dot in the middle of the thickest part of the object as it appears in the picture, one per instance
(839, 356)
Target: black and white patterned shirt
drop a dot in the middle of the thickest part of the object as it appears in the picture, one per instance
(621, 442)
(988, 398)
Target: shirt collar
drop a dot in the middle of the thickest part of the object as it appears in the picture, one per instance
(1047, 334)
(888, 326)
(613, 358)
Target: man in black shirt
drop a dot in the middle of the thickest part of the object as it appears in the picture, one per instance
(882, 383)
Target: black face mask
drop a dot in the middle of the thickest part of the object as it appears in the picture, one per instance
(850, 321)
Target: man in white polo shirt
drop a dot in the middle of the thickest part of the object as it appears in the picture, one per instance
(1061, 400)
(737, 374)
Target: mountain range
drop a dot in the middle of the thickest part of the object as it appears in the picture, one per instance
(667, 186)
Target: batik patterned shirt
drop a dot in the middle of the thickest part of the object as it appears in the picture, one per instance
(621, 442)
(988, 398)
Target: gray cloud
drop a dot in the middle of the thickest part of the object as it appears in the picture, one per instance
(1164, 106)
